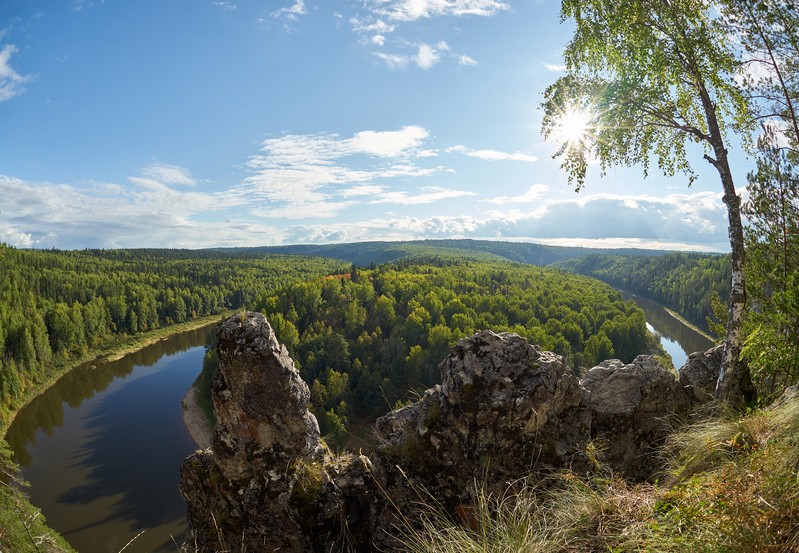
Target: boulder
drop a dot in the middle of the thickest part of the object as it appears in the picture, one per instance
(503, 409)
(633, 407)
(700, 373)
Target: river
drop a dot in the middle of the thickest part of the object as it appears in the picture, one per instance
(102, 447)
(677, 338)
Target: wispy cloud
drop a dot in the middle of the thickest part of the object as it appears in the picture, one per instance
(291, 12)
(298, 176)
(169, 174)
(425, 57)
(533, 194)
(230, 6)
(555, 67)
(690, 222)
(411, 10)
(466, 60)
(141, 212)
(424, 196)
(493, 155)
(11, 83)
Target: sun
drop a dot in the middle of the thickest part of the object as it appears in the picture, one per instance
(573, 125)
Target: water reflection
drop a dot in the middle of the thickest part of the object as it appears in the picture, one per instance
(102, 447)
(678, 339)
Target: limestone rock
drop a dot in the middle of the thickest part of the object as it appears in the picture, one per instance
(504, 407)
(260, 401)
(631, 408)
(269, 484)
(700, 373)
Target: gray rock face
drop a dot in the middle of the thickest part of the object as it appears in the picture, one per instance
(260, 401)
(631, 408)
(268, 484)
(700, 373)
(503, 407)
(503, 410)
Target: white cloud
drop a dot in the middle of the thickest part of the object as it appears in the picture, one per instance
(426, 196)
(466, 60)
(377, 26)
(426, 56)
(11, 83)
(411, 10)
(394, 61)
(378, 40)
(303, 210)
(299, 175)
(533, 194)
(691, 222)
(387, 143)
(493, 155)
(225, 5)
(362, 190)
(169, 174)
(292, 12)
(140, 213)
(556, 68)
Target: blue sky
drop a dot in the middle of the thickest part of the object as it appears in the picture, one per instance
(200, 123)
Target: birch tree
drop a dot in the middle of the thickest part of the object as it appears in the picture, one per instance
(644, 82)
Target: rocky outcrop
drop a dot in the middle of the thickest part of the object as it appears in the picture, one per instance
(700, 373)
(504, 409)
(633, 408)
(268, 483)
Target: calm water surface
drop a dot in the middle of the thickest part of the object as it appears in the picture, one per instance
(102, 448)
(677, 339)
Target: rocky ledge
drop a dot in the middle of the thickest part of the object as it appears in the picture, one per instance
(505, 409)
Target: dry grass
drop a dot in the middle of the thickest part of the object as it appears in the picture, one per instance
(732, 486)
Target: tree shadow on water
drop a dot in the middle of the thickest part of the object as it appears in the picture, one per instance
(137, 444)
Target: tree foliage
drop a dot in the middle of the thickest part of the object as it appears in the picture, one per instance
(769, 36)
(372, 338)
(56, 306)
(684, 282)
(655, 77)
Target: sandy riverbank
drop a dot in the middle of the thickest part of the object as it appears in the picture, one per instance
(195, 420)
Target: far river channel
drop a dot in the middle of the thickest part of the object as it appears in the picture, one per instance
(101, 449)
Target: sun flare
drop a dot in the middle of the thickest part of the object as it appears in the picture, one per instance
(573, 126)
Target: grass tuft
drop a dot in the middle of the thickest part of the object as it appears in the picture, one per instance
(732, 485)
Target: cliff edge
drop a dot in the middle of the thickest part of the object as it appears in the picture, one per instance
(505, 409)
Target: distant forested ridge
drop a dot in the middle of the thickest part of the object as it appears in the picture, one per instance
(58, 305)
(369, 338)
(364, 254)
(684, 282)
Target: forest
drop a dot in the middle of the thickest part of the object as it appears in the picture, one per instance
(684, 282)
(370, 339)
(57, 306)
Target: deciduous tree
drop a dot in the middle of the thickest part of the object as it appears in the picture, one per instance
(644, 80)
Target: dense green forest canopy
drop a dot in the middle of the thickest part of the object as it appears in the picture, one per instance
(370, 338)
(57, 305)
(684, 282)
